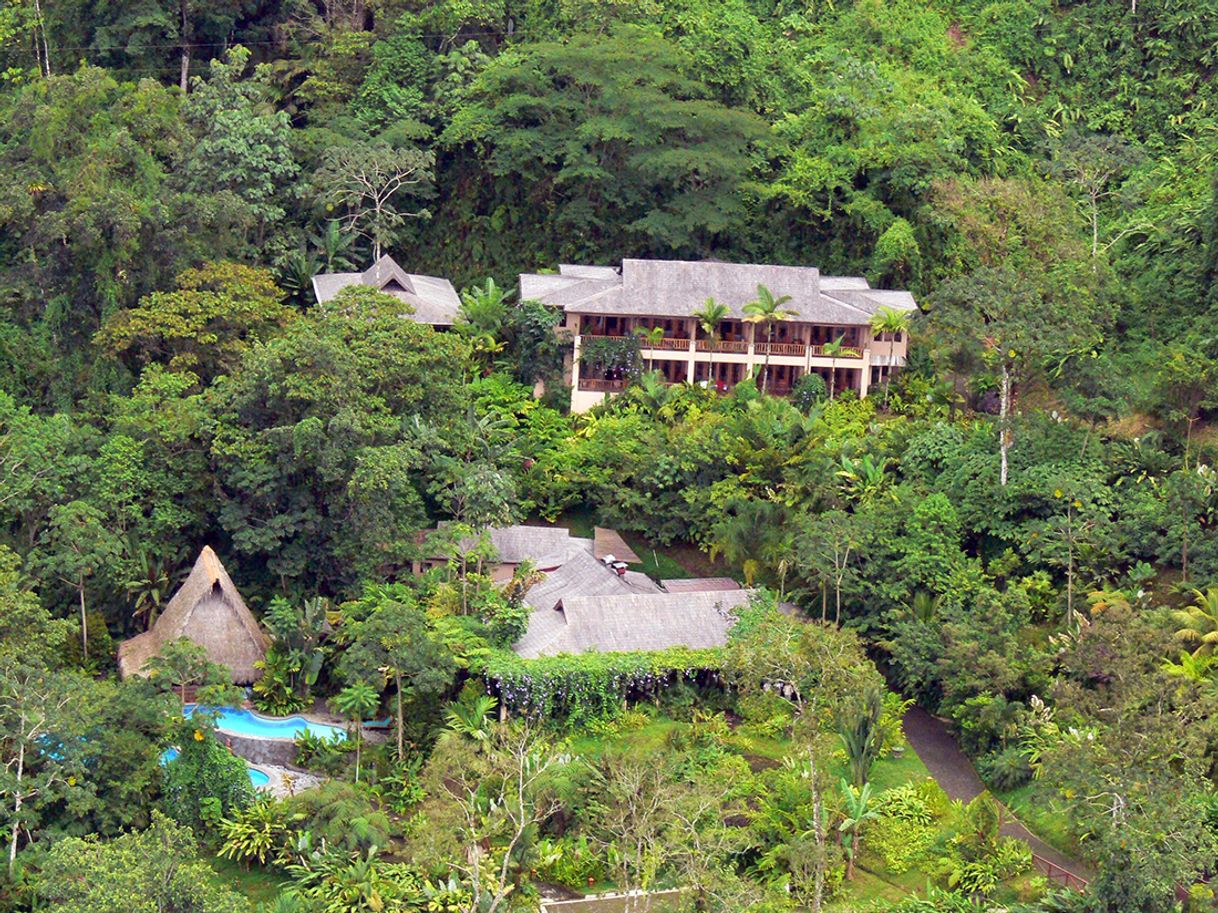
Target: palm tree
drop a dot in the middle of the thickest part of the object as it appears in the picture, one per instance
(1199, 622)
(470, 719)
(356, 702)
(887, 320)
(768, 311)
(833, 349)
(709, 318)
(649, 337)
(858, 810)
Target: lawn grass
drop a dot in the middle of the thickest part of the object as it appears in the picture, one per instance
(870, 885)
(656, 563)
(259, 885)
(894, 771)
(579, 521)
(646, 740)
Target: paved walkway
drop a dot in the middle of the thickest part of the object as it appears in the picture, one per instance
(955, 773)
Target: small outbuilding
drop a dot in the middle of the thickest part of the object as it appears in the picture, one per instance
(209, 611)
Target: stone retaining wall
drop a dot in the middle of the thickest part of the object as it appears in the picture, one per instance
(276, 752)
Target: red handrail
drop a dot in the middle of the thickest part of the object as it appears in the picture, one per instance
(1055, 872)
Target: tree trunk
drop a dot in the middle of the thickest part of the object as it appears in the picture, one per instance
(44, 55)
(1004, 434)
(401, 742)
(1069, 571)
(1095, 231)
(1184, 554)
(837, 598)
(84, 621)
(892, 347)
(854, 853)
(832, 376)
(184, 76)
(765, 371)
(818, 831)
(12, 847)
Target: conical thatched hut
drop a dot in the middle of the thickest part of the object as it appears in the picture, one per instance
(209, 611)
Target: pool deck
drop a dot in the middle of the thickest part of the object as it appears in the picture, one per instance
(285, 782)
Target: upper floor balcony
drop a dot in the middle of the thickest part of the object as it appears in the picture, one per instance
(801, 350)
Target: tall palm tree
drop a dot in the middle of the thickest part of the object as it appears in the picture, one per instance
(767, 311)
(1199, 622)
(887, 320)
(833, 349)
(709, 317)
(355, 702)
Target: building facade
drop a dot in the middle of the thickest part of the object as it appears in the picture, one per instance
(827, 331)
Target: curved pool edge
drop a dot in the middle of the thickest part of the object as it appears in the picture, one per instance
(338, 731)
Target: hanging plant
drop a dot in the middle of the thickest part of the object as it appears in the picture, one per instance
(582, 688)
(612, 356)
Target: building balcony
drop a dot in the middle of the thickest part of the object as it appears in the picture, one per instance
(741, 347)
(602, 385)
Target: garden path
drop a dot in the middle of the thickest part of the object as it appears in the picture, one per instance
(955, 773)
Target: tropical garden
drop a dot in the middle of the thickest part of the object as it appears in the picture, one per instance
(1014, 535)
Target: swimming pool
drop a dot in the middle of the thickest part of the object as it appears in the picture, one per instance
(242, 722)
(258, 778)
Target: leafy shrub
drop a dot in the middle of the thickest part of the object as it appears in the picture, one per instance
(904, 803)
(339, 815)
(1006, 769)
(317, 752)
(901, 843)
(570, 862)
(765, 713)
(258, 833)
(809, 390)
(204, 774)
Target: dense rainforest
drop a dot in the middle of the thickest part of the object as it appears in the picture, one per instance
(1017, 535)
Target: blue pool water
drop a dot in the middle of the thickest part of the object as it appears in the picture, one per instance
(243, 722)
(257, 777)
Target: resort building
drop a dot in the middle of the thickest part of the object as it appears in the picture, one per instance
(209, 611)
(434, 300)
(590, 601)
(827, 330)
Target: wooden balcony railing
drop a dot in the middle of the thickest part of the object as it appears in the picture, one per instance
(846, 352)
(782, 348)
(738, 346)
(670, 345)
(741, 347)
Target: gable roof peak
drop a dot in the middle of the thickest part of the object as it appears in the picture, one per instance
(386, 271)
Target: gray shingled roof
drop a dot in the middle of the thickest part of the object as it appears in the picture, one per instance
(434, 300)
(548, 546)
(618, 624)
(676, 288)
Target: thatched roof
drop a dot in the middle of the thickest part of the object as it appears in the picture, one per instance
(675, 288)
(627, 623)
(208, 610)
